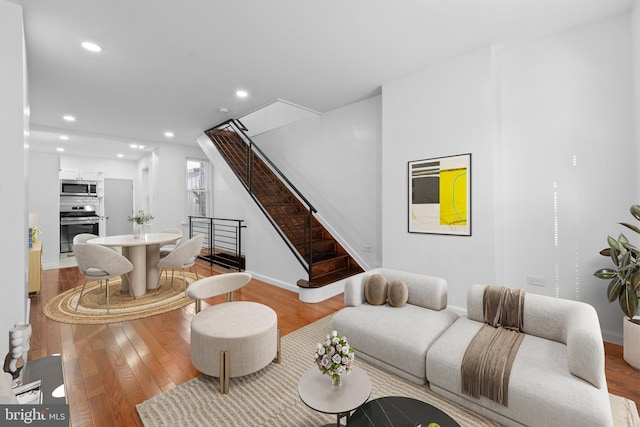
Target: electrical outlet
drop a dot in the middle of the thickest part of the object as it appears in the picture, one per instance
(535, 280)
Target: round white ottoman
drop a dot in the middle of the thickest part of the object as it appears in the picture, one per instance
(246, 331)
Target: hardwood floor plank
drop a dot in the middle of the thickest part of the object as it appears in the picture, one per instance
(77, 396)
(108, 369)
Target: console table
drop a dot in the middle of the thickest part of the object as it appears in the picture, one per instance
(35, 267)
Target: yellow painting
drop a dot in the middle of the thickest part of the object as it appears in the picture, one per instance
(453, 197)
(440, 195)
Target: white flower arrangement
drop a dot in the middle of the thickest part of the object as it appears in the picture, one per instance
(335, 356)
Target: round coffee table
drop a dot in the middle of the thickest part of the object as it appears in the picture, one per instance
(399, 412)
(317, 392)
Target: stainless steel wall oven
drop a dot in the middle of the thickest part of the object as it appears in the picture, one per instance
(74, 220)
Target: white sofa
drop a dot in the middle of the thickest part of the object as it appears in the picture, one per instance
(557, 378)
(395, 338)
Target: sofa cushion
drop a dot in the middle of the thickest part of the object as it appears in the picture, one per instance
(398, 336)
(573, 323)
(397, 294)
(424, 291)
(542, 391)
(375, 289)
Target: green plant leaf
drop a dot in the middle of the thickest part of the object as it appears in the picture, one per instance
(606, 252)
(628, 302)
(635, 280)
(631, 227)
(635, 211)
(630, 247)
(606, 273)
(613, 290)
(614, 244)
(626, 259)
(615, 256)
(622, 239)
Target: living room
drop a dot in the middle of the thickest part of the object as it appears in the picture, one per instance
(545, 120)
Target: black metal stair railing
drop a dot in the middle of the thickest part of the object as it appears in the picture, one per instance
(291, 214)
(222, 240)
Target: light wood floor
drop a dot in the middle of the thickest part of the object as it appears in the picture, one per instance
(111, 368)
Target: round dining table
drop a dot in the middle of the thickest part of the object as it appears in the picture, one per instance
(144, 254)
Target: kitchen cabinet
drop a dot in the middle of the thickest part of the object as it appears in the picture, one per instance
(69, 173)
(35, 267)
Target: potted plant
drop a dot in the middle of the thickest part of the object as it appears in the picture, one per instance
(140, 219)
(624, 286)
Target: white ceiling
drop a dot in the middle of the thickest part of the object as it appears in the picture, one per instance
(172, 64)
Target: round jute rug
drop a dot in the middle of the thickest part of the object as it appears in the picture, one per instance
(122, 306)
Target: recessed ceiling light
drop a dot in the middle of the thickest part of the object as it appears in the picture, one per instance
(133, 145)
(242, 93)
(168, 134)
(60, 149)
(140, 147)
(120, 155)
(91, 47)
(69, 118)
(63, 137)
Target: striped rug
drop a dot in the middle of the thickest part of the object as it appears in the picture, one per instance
(270, 397)
(92, 308)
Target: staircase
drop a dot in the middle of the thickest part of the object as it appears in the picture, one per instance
(324, 259)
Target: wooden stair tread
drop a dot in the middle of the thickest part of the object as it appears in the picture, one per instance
(329, 278)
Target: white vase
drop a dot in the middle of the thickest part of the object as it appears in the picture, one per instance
(631, 341)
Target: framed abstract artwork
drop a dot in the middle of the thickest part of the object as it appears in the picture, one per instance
(440, 195)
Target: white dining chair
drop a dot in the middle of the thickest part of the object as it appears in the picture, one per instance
(100, 263)
(83, 237)
(166, 249)
(182, 257)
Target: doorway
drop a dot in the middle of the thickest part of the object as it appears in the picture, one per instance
(118, 206)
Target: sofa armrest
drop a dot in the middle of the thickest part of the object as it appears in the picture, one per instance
(585, 348)
(354, 289)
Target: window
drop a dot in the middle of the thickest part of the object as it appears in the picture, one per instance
(197, 187)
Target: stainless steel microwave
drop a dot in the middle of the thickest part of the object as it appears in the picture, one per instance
(78, 188)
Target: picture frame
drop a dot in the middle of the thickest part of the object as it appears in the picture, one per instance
(439, 196)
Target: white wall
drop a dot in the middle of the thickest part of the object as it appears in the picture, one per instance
(333, 159)
(13, 173)
(635, 31)
(546, 122)
(566, 107)
(44, 200)
(444, 110)
(167, 173)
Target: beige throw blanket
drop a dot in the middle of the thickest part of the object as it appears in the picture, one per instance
(487, 362)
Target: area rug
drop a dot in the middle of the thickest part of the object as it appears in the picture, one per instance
(93, 305)
(270, 397)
